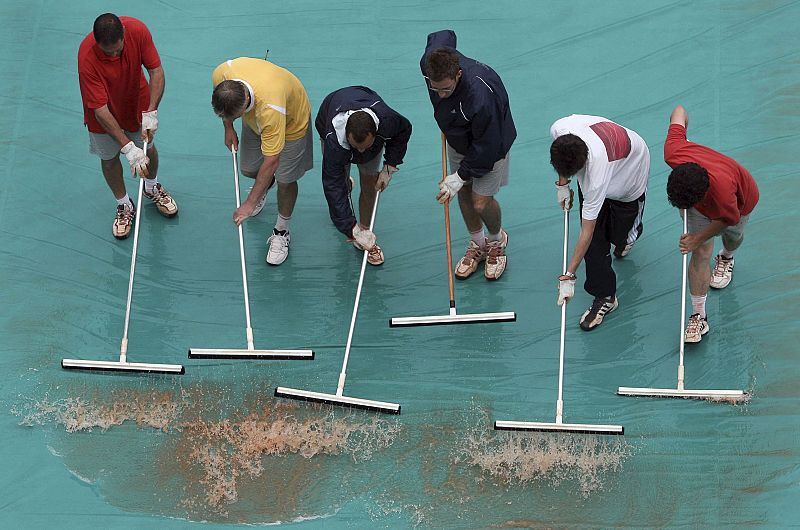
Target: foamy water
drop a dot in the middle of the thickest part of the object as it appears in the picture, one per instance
(216, 447)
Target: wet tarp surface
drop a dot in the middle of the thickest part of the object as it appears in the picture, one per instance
(213, 445)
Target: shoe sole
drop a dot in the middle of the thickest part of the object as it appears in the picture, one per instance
(718, 286)
(122, 237)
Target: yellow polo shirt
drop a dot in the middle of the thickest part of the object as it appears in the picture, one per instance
(281, 111)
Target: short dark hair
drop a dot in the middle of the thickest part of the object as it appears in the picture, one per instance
(108, 29)
(228, 99)
(687, 185)
(568, 154)
(441, 64)
(360, 125)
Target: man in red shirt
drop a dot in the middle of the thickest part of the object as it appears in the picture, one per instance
(718, 195)
(120, 109)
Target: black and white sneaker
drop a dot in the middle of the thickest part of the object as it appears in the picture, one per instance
(695, 329)
(593, 316)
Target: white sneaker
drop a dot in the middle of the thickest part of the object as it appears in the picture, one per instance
(722, 273)
(260, 205)
(695, 329)
(278, 247)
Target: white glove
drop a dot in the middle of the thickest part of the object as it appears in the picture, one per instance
(149, 124)
(565, 195)
(449, 187)
(364, 238)
(384, 177)
(137, 159)
(566, 290)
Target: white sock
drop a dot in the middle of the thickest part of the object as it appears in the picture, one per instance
(495, 237)
(699, 305)
(149, 184)
(282, 223)
(725, 253)
(479, 237)
(125, 201)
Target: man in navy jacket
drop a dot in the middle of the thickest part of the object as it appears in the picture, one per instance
(355, 126)
(470, 105)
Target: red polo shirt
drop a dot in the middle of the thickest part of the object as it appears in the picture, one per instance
(118, 82)
(732, 191)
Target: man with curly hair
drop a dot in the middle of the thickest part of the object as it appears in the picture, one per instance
(470, 105)
(718, 196)
(612, 164)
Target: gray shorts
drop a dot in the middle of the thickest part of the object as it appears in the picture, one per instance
(489, 184)
(732, 236)
(297, 156)
(371, 167)
(104, 145)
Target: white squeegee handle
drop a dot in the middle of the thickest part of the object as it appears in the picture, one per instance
(123, 351)
(683, 307)
(343, 375)
(249, 328)
(560, 402)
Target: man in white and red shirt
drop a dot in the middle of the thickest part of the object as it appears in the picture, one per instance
(120, 109)
(612, 164)
(718, 195)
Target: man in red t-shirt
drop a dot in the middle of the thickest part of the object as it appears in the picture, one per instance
(718, 195)
(120, 109)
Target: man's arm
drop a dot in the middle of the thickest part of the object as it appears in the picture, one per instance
(582, 245)
(679, 117)
(111, 125)
(264, 178)
(157, 82)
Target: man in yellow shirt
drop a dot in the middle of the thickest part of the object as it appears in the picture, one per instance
(276, 137)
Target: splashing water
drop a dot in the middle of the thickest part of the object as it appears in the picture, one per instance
(517, 458)
(217, 446)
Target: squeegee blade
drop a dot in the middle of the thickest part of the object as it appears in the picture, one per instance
(333, 399)
(116, 366)
(475, 318)
(722, 395)
(197, 353)
(583, 428)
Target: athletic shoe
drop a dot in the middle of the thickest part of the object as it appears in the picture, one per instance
(262, 201)
(278, 247)
(496, 258)
(695, 329)
(469, 263)
(624, 251)
(593, 316)
(375, 255)
(163, 200)
(260, 205)
(722, 274)
(123, 221)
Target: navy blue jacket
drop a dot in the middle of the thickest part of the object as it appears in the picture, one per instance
(393, 133)
(475, 118)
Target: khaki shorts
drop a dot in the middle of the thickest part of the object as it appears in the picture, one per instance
(297, 156)
(732, 236)
(490, 183)
(104, 146)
